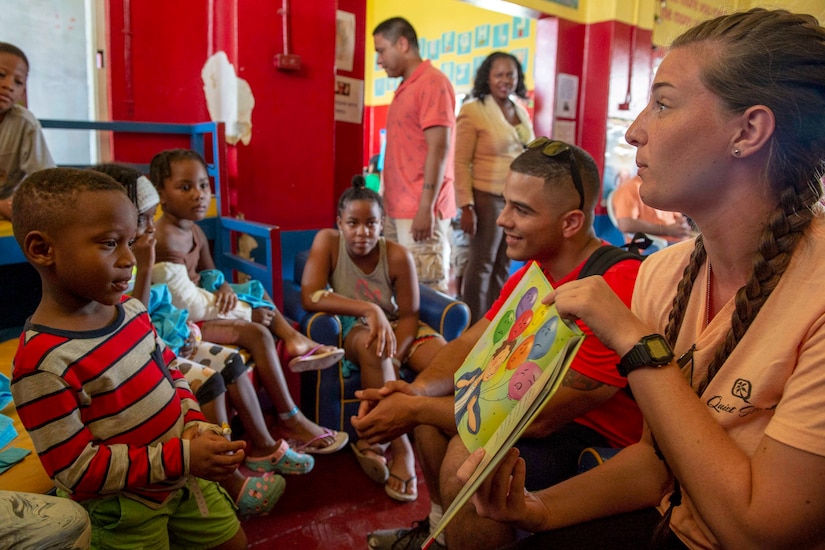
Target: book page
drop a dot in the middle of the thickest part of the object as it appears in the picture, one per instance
(496, 401)
(522, 341)
(511, 430)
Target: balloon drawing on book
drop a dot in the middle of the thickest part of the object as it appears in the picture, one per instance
(545, 336)
(526, 336)
(527, 301)
(521, 324)
(504, 325)
(521, 353)
(522, 380)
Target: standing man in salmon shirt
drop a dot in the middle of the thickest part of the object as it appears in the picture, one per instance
(418, 165)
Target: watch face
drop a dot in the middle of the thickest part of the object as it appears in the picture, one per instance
(658, 348)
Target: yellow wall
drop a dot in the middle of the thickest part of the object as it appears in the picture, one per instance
(679, 15)
(639, 12)
(431, 17)
(440, 22)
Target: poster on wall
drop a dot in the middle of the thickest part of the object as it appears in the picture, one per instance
(344, 40)
(567, 94)
(349, 99)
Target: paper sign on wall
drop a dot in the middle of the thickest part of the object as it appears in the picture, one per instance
(349, 99)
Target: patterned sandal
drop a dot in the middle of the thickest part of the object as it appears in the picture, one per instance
(284, 461)
(259, 494)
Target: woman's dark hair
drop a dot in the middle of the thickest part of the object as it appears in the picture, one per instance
(481, 86)
(161, 165)
(359, 192)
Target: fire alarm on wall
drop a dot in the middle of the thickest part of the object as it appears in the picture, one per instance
(288, 62)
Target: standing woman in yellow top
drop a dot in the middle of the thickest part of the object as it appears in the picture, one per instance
(491, 130)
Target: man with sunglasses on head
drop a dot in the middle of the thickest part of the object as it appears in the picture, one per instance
(550, 194)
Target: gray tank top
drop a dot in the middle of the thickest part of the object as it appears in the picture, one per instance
(348, 279)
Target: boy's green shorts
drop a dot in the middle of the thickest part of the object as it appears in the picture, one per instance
(120, 522)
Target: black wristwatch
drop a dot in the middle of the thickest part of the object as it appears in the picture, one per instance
(651, 351)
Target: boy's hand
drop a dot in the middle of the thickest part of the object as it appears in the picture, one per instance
(225, 299)
(188, 347)
(191, 432)
(214, 458)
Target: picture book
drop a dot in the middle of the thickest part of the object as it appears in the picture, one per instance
(509, 375)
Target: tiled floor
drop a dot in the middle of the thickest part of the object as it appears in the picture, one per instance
(332, 508)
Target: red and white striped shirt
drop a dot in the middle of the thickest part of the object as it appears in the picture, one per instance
(104, 411)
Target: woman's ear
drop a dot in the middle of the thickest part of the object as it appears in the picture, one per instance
(37, 247)
(757, 126)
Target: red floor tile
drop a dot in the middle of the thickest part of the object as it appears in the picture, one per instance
(333, 507)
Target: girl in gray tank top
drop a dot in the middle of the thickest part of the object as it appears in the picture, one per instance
(371, 285)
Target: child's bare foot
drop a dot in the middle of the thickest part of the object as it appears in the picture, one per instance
(297, 345)
(309, 355)
(308, 437)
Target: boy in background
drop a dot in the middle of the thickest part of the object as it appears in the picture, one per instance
(114, 427)
(23, 149)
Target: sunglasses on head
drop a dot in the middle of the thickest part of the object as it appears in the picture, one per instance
(553, 148)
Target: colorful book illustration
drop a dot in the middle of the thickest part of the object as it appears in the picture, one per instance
(511, 373)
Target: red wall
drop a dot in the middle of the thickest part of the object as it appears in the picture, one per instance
(157, 49)
(349, 137)
(300, 159)
(599, 54)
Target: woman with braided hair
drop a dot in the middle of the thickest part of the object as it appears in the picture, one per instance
(734, 137)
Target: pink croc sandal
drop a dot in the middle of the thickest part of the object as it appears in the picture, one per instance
(284, 461)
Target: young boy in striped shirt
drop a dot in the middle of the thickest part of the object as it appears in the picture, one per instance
(115, 428)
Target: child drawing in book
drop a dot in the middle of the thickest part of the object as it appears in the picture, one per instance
(468, 387)
(181, 179)
(374, 289)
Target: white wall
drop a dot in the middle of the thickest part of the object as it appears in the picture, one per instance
(57, 37)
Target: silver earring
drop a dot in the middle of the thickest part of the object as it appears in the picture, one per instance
(736, 152)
